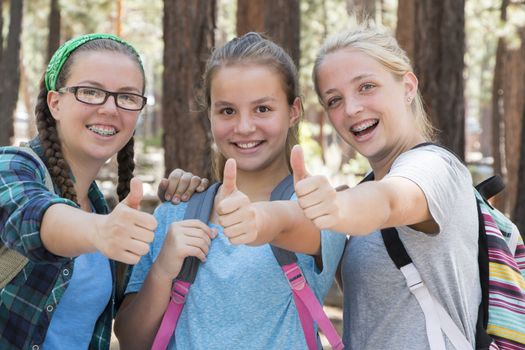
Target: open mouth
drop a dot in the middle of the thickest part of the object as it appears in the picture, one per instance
(102, 130)
(248, 145)
(364, 127)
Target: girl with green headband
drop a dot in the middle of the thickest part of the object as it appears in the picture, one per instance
(69, 285)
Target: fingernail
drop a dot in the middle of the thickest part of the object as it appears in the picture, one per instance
(185, 197)
(175, 200)
(167, 197)
(200, 189)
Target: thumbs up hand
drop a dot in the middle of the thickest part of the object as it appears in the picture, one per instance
(125, 234)
(235, 210)
(315, 195)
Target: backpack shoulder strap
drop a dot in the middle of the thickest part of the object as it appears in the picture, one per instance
(199, 207)
(308, 307)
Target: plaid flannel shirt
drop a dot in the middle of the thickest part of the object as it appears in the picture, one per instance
(27, 303)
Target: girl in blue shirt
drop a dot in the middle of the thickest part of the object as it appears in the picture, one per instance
(240, 298)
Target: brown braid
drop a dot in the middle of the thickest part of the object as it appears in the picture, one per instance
(55, 162)
(126, 165)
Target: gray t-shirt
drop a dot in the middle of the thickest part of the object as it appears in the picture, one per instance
(379, 310)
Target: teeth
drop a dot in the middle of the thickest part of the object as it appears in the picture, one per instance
(103, 130)
(247, 145)
(364, 125)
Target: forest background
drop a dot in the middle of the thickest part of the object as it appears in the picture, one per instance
(468, 54)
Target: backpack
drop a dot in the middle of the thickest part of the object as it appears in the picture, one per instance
(501, 259)
(308, 307)
(12, 262)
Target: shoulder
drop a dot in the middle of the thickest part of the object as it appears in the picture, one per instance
(168, 212)
(20, 160)
(431, 160)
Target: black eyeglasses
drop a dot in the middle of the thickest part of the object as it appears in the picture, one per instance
(95, 96)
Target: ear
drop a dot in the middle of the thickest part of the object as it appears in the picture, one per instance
(410, 83)
(53, 101)
(296, 110)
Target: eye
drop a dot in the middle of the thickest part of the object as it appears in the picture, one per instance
(366, 87)
(262, 109)
(333, 101)
(91, 92)
(227, 111)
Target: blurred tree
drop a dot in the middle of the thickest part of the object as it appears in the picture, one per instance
(364, 10)
(405, 26)
(279, 19)
(188, 38)
(54, 29)
(1, 33)
(10, 73)
(438, 60)
(497, 107)
(519, 205)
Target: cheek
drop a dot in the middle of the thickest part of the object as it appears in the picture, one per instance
(219, 130)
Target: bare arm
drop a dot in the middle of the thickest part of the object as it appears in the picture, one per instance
(140, 314)
(123, 235)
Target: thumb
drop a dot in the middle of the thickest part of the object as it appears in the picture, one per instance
(297, 163)
(135, 194)
(229, 183)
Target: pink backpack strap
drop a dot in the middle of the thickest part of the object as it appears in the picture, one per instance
(309, 309)
(171, 316)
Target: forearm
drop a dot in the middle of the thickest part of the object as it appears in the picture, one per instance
(140, 315)
(68, 231)
(282, 223)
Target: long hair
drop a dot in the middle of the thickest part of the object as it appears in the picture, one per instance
(58, 167)
(252, 48)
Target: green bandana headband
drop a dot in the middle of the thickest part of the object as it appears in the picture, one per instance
(62, 54)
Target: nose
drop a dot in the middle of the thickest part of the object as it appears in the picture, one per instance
(352, 106)
(110, 106)
(245, 124)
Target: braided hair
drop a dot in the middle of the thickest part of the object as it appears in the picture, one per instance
(58, 167)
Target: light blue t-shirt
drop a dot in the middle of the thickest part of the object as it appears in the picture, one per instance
(83, 302)
(240, 298)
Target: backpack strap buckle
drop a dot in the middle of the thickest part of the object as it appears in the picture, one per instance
(295, 276)
(179, 291)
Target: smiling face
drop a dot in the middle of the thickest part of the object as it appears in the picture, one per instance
(367, 104)
(89, 132)
(250, 116)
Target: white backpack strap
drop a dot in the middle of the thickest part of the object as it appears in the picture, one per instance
(513, 240)
(436, 317)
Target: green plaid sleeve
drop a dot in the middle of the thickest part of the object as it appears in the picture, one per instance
(24, 199)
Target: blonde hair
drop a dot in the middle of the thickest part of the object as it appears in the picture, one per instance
(383, 47)
(252, 48)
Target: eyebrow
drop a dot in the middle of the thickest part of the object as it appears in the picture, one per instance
(256, 102)
(353, 80)
(122, 89)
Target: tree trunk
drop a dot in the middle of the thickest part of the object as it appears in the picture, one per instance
(188, 38)
(280, 21)
(406, 12)
(513, 77)
(54, 29)
(364, 10)
(1, 34)
(10, 76)
(518, 209)
(498, 140)
(440, 31)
